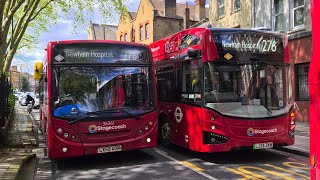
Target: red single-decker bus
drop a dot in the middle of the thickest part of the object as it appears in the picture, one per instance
(224, 89)
(97, 97)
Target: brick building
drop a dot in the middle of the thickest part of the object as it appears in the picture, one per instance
(15, 77)
(156, 19)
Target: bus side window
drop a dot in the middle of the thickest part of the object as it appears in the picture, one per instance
(166, 86)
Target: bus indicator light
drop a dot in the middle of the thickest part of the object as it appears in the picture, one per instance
(148, 140)
(64, 150)
(212, 118)
(292, 114)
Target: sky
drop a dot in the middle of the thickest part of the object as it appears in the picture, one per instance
(63, 31)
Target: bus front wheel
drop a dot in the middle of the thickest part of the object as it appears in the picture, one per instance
(164, 132)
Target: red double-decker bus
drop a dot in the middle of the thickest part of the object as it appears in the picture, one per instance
(314, 86)
(224, 89)
(97, 97)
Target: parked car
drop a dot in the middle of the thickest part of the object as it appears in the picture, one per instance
(36, 102)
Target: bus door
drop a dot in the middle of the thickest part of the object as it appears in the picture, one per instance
(186, 114)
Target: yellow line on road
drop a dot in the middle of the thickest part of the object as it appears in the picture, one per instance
(246, 176)
(273, 173)
(288, 171)
(291, 164)
(192, 166)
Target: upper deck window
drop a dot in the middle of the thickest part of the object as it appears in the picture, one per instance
(189, 40)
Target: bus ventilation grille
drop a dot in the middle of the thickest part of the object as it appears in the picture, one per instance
(212, 138)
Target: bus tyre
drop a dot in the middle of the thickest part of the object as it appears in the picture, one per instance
(164, 132)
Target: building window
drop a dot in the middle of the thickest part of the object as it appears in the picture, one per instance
(147, 31)
(278, 17)
(220, 8)
(236, 5)
(120, 37)
(125, 37)
(141, 33)
(133, 35)
(298, 13)
(302, 81)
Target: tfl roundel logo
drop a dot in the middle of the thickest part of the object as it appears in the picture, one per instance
(92, 128)
(250, 132)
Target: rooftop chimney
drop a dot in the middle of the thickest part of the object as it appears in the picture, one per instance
(201, 9)
(186, 17)
(170, 7)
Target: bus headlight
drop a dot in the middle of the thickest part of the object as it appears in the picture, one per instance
(212, 118)
(213, 127)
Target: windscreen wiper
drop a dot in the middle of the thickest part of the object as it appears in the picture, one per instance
(96, 113)
(87, 115)
(266, 106)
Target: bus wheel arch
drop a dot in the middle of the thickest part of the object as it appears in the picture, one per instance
(164, 130)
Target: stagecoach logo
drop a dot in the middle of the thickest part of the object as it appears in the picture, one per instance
(92, 128)
(59, 58)
(252, 131)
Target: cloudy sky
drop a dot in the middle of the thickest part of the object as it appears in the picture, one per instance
(63, 31)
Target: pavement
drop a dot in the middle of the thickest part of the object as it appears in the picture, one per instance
(21, 141)
(302, 141)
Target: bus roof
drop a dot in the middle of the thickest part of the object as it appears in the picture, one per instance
(96, 41)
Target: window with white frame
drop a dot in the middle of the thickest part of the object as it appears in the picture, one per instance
(220, 8)
(298, 13)
(278, 15)
(236, 5)
(147, 31)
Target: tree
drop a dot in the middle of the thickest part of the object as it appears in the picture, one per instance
(23, 20)
(25, 84)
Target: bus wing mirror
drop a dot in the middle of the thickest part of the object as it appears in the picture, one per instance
(194, 53)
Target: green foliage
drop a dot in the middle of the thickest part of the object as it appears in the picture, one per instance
(22, 21)
(11, 101)
(25, 84)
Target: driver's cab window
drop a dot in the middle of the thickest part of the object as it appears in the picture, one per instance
(191, 81)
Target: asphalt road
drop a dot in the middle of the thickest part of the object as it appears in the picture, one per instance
(175, 163)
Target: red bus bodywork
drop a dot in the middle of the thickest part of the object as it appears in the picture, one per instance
(128, 132)
(188, 123)
(314, 86)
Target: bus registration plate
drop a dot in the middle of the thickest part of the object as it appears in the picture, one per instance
(263, 145)
(109, 149)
